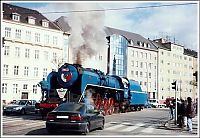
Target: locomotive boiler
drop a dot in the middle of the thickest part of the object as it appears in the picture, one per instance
(108, 93)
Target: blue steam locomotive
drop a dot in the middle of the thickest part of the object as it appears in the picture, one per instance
(108, 93)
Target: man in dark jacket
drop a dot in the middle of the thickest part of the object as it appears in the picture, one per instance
(190, 113)
(183, 113)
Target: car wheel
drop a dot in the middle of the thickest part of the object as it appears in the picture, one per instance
(102, 127)
(23, 112)
(87, 129)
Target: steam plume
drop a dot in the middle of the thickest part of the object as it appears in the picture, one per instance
(87, 31)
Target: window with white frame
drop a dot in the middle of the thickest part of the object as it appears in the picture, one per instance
(136, 73)
(55, 40)
(31, 20)
(46, 39)
(141, 54)
(54, 57)
(132, 72)
(27, 53)
(5, 69)
(37, 37)
(15, 88)
(44, 72)
(45, 23)
(18, 34)
(25, 86)
(35, 89)
(35, 71)
(15, 17)
(132, 63)
(46, 55)
(16, 70)
(136, 63)
(17, 52)
(28, 36)
(149, 74)
(137, 54)
(7, 32)
(141, 64)
(26, 71)
(36, 54)
(132, 53)
(141, 74)
(4, 87)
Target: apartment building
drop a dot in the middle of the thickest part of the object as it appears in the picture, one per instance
(175, 63)
(33, 47)
(136, 58)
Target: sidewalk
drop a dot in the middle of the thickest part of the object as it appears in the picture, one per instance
(170, 125)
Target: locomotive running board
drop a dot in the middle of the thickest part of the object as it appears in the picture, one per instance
(99, 87)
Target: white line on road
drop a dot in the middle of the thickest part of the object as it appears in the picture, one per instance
(131, 128)
(114, 127)
(148, 130)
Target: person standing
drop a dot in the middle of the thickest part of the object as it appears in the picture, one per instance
(183, 113)
(190, 112)
(44, 87)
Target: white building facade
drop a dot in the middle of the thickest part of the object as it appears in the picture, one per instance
(175, 64)
(33, 47)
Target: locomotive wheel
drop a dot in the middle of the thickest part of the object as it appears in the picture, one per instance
(105, 107)
(111, 106)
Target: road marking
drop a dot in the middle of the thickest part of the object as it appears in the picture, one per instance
(114, 127)
(131, 128)
(148, 130)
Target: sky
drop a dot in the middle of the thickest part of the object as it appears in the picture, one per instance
(180, 23)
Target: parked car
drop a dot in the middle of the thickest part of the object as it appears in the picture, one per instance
(74, 117)
(20, 106)
(154, 103)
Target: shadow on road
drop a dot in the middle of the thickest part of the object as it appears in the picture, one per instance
(43, 131)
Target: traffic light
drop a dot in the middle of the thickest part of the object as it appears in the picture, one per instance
(174, 85)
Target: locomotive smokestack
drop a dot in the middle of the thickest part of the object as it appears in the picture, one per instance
(87, 31)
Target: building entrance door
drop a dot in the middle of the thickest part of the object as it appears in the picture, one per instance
(24, 95)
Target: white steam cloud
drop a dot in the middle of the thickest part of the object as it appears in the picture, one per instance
(87, 31)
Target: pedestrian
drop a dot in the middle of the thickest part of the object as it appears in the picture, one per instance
(171, 106)
(190, 112)
(183, 113)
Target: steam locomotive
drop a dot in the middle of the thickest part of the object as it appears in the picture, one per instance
(107, 93)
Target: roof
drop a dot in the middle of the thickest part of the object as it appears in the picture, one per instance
(63, 24)
(166, 46)
(129, 35)
(190, 52)
(24, 13)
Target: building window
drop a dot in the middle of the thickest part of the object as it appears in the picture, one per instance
(150, 56)
(55, 57)
(44, 72)
(4, 87)
(15, 17)
(55, 40)
(15, 88)
(150, 65)
(119, 50)
(136, 73)
(141, 64)
(5, 69)
(28, 36)
(149, 75)
(137, 54)
(161, 61)
(46, 39)
(17, 51)
(16, 70)
(18, 34)
(25, 86)
(141, 54)
(132, 63)
(136, 63)
(35, 72)
(7, 32)
(27, 53)
(146, 55)
(35, 89)
(36, 54)
(162, 53)
(132, 72)
(145, 74)
(141, 74)
(37, 37)
(31, 20)
(45, 23)
(26, 71)
(132, 53)
(138, 43)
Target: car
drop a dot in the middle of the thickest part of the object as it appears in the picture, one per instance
(23, 106)
(154, 103)
(74, 117)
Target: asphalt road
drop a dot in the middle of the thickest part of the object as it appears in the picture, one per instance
(142, 123)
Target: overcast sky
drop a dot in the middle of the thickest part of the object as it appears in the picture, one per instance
(179, 22)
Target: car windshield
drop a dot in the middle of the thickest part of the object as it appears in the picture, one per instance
(69, 107)
(20, 102)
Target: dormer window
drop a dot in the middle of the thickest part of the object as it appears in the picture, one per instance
(31, 20)
(45, 23)
(15, 17)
